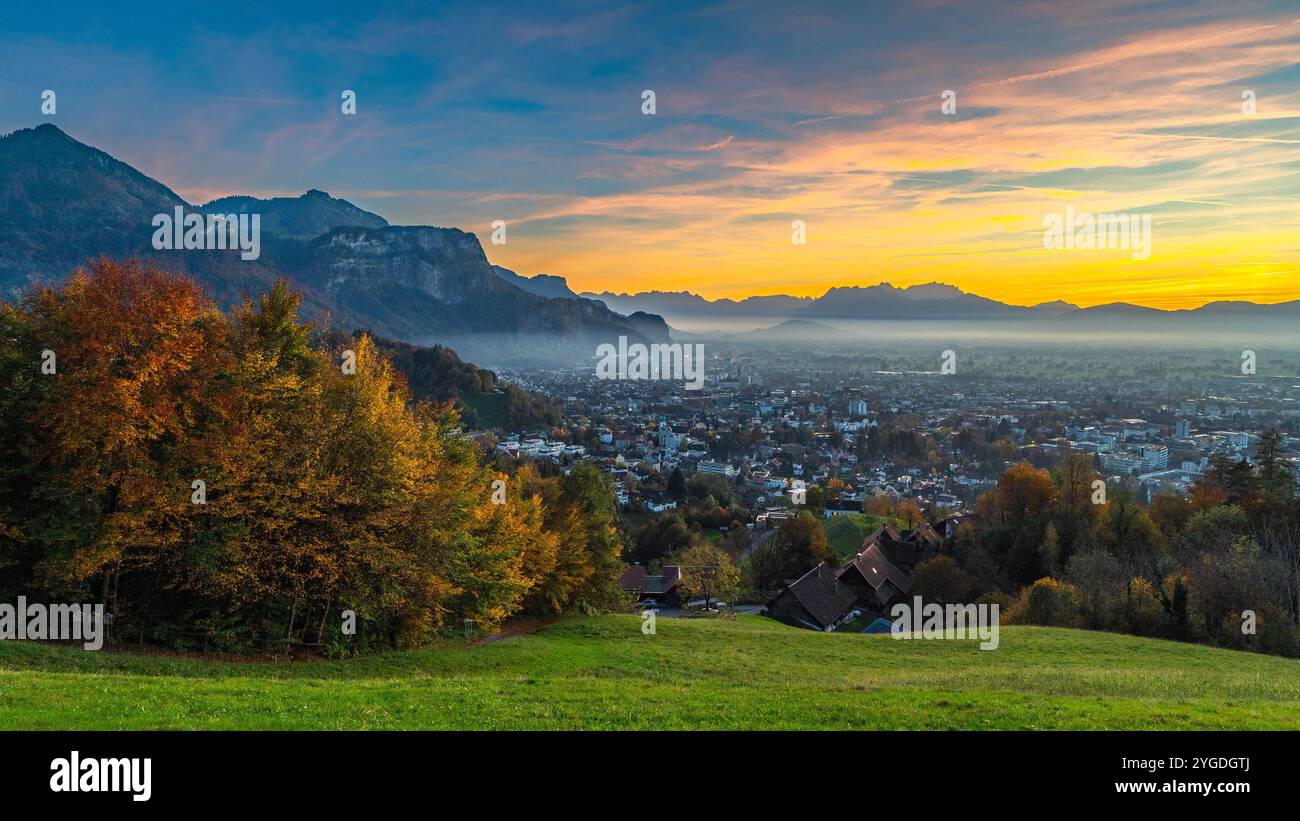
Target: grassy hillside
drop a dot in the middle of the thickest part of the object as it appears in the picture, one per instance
(603, 673)
(845, 534)
(489, 409)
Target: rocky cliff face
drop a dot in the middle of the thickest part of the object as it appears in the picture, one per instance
(446, 264)
(436, 284)
(63, 203)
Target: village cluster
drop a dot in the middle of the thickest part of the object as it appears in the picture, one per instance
(854, 435)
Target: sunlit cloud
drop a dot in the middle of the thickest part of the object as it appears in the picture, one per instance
(766, 114)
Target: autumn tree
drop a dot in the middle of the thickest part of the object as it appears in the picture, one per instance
(1075, 514)
(1129, 534)
(224, 481)
(134, 350)
(940, 579)
(798, 546)
(707, 573)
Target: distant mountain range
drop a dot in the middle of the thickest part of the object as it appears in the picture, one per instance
(931, 301)
(683, 305)
(63, 202)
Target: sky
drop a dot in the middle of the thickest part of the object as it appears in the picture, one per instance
(765, 113)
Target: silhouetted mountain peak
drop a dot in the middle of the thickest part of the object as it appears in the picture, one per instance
(44, 131)
(304, 217)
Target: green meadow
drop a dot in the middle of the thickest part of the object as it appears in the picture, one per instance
(604, 673)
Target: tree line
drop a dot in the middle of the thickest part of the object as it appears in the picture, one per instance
(232, 480)
(1220, 565)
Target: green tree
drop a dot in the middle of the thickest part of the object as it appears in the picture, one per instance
(799, 545)
(941, 580)
(677, 484)
(707, 573)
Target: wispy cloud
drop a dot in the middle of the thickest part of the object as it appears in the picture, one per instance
(766, 113)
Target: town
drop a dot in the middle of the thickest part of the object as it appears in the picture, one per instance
(844, 432)
(888, 439)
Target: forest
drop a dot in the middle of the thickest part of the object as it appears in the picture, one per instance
(231, 481)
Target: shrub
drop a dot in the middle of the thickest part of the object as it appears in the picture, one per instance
(1049, 603)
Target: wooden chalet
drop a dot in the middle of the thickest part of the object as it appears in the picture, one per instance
(869, 583)
(875, 581)
(816, 600)
(661, 589)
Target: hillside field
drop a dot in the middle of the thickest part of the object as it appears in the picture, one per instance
(603, 673)
(845, 534)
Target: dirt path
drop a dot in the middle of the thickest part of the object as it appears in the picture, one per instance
(522, 628)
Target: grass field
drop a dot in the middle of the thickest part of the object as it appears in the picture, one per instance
(490, 407)
(845, 534)
(603, 673)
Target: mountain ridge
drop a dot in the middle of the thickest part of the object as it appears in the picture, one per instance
(64, 203)
(933, 300)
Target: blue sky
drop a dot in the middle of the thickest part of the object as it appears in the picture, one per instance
(766, 112)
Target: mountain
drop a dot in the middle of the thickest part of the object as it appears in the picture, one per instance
(1118, 309)
(1056, 307)
(1242, 308)
(884, 301)
(932, 300)
(63, 203)
(795, 330)
(305, 217)
(547, 285)
(683, 305)
(429, 285)
(936, 301)
(932, 290)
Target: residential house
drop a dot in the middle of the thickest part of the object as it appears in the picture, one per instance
(816, 600)
(839, 507)
(661, 589)
(875, 581)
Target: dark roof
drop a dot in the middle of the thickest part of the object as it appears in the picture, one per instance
(821, 594)
(672, 574)
(667, 580)
(903, 548)
(876, 569)
(885, 532)
(924, 532)
(633, 578)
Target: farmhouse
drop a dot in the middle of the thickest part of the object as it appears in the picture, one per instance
(875, 581)
(661, 589)
(904, 549)
(869, 583)
(815, 600)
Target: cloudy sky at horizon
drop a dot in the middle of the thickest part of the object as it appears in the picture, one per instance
(766, 113)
